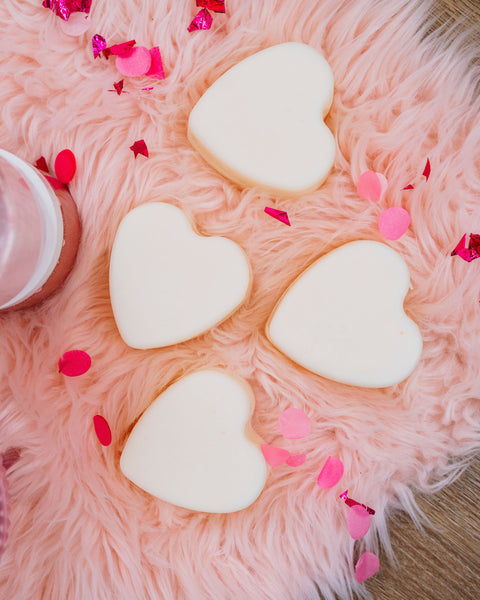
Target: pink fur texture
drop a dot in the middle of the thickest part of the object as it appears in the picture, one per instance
(79, 529)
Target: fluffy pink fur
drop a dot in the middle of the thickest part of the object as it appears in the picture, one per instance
(79, 529)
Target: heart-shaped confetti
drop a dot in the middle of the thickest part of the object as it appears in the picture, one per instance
(102, 430)
(275, 456)
(371, 186)
(296, 460)
(358, 521)
(137, 63)
(65, 166)
(367, 565)
(74, 363)
(294, 424)
(393, 223)
(331, 473)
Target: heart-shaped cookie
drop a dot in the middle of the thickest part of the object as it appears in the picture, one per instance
(343, 318)
(193, 447)
(167, 283)
(262, 122)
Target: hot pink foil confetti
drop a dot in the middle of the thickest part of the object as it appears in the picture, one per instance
(427, 170)
(65, 166)
(408, 187)
(358, 521)
(274, 456)
(394, 222)
(351, 502)
(203, 20)
(280, 215)
(156, 67)
(41, 164)
(102, 430)
(294, 424)
(331, 473)
(118, 85)
(74, 363)
(296, 460)
(139, 147)
(99, 43)
(124, 49)
(471, 252)
(134, 64)
(371, 186)
(63, 8)
(214, 5)
(367, 565)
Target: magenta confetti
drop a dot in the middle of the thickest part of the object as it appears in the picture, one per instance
(280, 215)
(331, 473)
(156, 70)
(63, 8)
(148, 89)
(99, 43)
(217, 6)
(124, 49)
(118, 85)
(41, 164)
(203, 20)
(139, 147)
(294, 424)
(408, 187)
(74, 363)
(65, 166)
(296, 460)
(274, 456)
(351, 502)
(102, 430)
(427, 170)
(468, 253)
(367, 565)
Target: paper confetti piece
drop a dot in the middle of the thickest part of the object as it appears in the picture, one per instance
(102, 429)
(139, 147)
(118, 85)
(280, 215)
(274, 456)
(468, 253)
(63, 8)
(294, 424)
(124, 49)
(65, 166)
(427, 170)
(74, 363)
(358, 521)
(77, 24)
(367, 565)
(53, 181)
(296, 460)
(99, 44)
(217, 6)
(41, 164)
(331, 473)
(351, 502)
(203, 20)
(371, 186)
(408, 187)
(156, 66)
(394, 222)
(136, 63)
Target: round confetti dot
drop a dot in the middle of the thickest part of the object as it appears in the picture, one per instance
(65, 166)
(296, 460)
(371, 186)
(367, 565)
(394, 222)
(331, 473)
(136, 63)
(358, 521)
(78, 23)
(294, 424)
(102, 429)
(74, 363)
(274, 456)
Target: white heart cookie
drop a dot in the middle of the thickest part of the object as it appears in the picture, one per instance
(261, 123)
(343, 317)
(193, 447)
(167, 283)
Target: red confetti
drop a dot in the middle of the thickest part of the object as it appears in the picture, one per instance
(274, 456)
(427, 170)
(350, 502)
(139, 147)
(156, 67)
(63, 8)
(203, 20)
(217, 6)
(74, 363)
(53, 181)
(102, 429)
(118, 85)
(65, 166)
(468, 253)
(408, 187)
(124, 49)
(280, 215)
(99, 44)
(41, 164)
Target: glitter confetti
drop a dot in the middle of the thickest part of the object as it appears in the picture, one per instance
(65, 166)
(367, 565)
(394, 222)
(351, 502)
(217, 6)
(358, 521)
(139, 147)
(102, 430)
(280, 215)
(203, 20)
(468, 253)
(63, 8)
(41, 164)
(156, 70)
(294, 424)
(296, 460)
(427, 170)
(74, 363)
(371, 186)
(274, 456)
(99, 44)
(134, 64)
(331, 473)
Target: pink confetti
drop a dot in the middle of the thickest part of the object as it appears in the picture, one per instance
(53, 181)
(274, 456)
(294, 424)
(139, 147)
(124, 49)
(77, 24)
(102, 429)
(367, 565)
(217, 6)
(137, 63)
(156, 67)
(331, 473)
(296, 460)
(63, 8)
(371, 186)
(118, 85)
(203, 20)
(394, 222)
(147, 89)
(408, 187)
(358, 521)
(427, 170)
(65, 166)
(74, 363)
(41, 164)
(99, 43)
(280, 215)
(468, 253)
(351, 502)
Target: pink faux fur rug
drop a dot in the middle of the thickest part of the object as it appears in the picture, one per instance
(79, 529)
